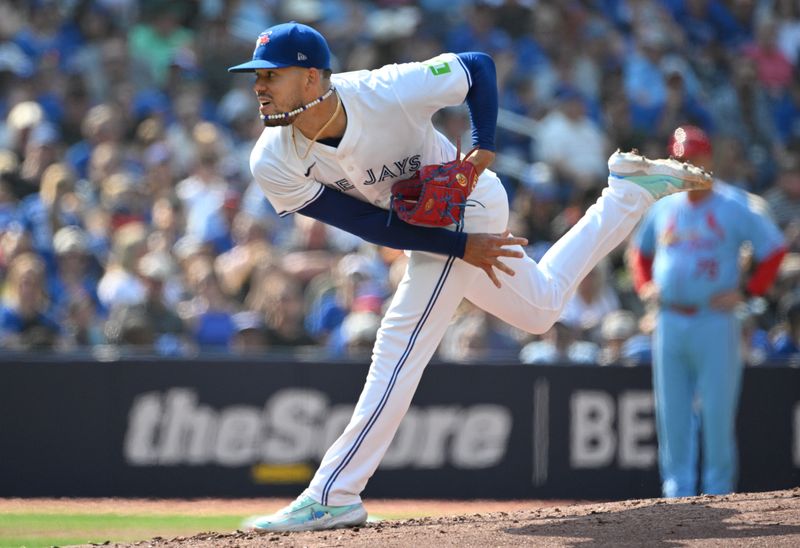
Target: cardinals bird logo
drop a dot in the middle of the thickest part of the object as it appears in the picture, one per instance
(668, 236)
(715, 226)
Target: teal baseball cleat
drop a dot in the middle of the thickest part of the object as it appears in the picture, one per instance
(659, 177)
(306, 514)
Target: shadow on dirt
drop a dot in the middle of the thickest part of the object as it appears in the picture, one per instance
(658, 525)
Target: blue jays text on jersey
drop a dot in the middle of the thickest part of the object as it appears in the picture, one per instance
(407, 165)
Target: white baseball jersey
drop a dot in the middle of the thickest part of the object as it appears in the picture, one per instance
(399, 100)
(389, 134)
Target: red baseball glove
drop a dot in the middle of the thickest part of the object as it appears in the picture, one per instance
(437, 194)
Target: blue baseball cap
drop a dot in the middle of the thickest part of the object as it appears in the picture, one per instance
(288, 45)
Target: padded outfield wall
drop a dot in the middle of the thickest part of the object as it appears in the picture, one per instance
(236, 429)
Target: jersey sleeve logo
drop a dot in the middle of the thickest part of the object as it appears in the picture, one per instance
(438, 66)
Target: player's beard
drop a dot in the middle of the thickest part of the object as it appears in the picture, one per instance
(289, 120)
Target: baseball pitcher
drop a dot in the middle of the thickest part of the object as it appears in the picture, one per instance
(359, 151)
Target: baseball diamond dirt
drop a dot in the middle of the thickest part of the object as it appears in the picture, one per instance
(746, 519)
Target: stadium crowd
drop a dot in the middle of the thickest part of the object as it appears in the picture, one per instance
(129, 219)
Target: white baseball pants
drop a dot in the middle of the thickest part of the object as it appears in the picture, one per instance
(426, 299)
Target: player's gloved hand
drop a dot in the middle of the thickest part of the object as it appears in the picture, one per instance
(436, 195)
(485, 250)
(727, 300)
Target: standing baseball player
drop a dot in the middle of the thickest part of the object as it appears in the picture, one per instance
(349, 149)
(686, 262)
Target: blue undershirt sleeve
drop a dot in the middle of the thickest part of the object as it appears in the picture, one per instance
(482, 97)
(369, 222)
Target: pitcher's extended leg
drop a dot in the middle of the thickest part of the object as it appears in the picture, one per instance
(534, 298)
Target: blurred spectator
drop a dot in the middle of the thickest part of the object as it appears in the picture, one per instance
(616, 328)
(535, 206)
(21, 120)
(54, 206)
(104, 60)
(787, 286)
(102, 125)
(25, 323)
(208, 313)
(571, 67)
(166, 216)
(105, 160)
(773, 69)
(784, 197)
(46, 35)
(565, 130)
(128, 326)
(755, 343)
(519, 97)
(786, 113)
(249, 333)
(680, 107)
(123, 199)
(474, 335)
(236, 267)
(617, 113)
(202, 194)
(76, 105)
(732, 163)
(279, 298)
(645, 85)
(14, 241)
(358, 332)
(158, 174)
(787, 341)
(741, 109)
(332, 296)
(8, 202)
(180, 135)
(594, 299)
(156, 271)
(638, 349)
(83, 327)
(155, 41)
(707, 23)
(559, 346)
(787, 17)
(117, 114)
(41, 151)
(120, 284)
(477, 31)
(74, 277)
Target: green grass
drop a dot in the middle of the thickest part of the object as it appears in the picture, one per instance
(45, 529)
(39, 530)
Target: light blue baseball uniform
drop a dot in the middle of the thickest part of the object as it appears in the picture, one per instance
(697, 363)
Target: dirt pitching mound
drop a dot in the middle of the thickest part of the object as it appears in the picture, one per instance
(747, 519)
